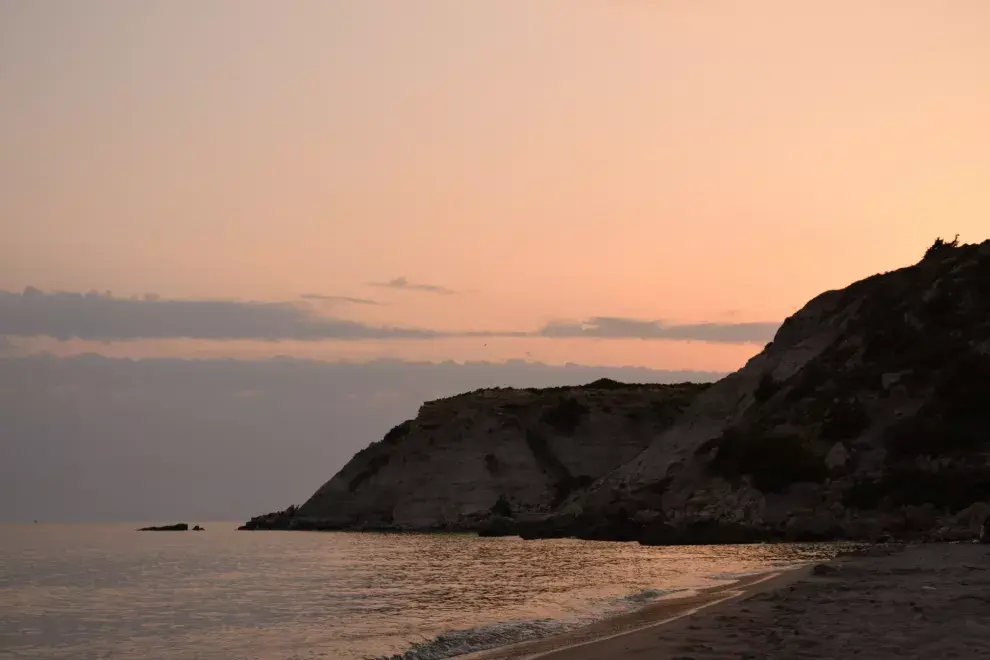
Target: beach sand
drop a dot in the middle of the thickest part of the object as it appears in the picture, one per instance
(926, 601)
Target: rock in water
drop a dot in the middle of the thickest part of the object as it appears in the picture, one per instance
(177, 527)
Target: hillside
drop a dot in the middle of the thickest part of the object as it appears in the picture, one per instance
(488, 453)
(867, 416)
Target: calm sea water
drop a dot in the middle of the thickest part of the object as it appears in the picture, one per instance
(77, 592)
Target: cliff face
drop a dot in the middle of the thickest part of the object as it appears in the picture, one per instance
(868, 415)
(497, 453)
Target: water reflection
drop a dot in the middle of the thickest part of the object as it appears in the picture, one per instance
(94, 592)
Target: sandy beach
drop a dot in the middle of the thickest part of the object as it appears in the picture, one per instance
(926, 601)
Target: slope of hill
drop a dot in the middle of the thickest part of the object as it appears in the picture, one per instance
(489, 453)
(867, 416)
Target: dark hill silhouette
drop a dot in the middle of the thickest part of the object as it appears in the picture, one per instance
(865, 417)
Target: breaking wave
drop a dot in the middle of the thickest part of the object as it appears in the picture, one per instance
(482, 638)
(645, 597)
(459, 642)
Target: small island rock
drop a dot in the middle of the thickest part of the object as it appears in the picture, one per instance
(177, 527)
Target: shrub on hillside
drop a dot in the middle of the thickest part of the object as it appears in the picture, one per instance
(956, 418)
(566, 416)
(952, 489)
(844, 420)
(773, 461)
(766, 388)
(397, 433)
(939, 245)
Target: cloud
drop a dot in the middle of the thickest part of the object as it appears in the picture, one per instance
(611, 327)
(403, 284)
(333, 299)
(101, 317)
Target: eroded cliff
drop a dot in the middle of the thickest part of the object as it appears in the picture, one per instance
(494, 453)
(867, 416)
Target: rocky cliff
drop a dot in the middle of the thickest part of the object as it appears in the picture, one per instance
(867, 416)
(494, 453)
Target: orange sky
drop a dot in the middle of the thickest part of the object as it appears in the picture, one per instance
(680, 160)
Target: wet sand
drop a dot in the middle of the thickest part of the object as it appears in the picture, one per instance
(928, 601)
(656, 614)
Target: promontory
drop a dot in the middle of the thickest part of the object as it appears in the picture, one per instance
(866, 417)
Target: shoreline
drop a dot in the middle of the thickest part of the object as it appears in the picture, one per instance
(884, 603)
(660, 613)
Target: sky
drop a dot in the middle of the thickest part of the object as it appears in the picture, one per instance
(92, 439)
(620, 184)
(488, 166)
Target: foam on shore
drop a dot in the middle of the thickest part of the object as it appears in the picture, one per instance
(515, 640)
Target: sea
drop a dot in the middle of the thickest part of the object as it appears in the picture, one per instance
(108, 592)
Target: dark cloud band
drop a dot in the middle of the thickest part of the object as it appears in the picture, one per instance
(102, 317)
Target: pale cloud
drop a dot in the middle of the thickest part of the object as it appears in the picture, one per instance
(403, 284)
(609, 327)
(336, 299)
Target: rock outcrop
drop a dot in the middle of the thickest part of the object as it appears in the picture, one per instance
(177, 527)
(489, 454)
(867, 417)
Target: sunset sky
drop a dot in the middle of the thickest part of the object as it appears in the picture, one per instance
(555, 180)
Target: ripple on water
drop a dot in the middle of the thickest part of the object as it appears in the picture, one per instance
(77, 592)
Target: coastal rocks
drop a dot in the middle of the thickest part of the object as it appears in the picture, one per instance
(177, 527)
(704, 532)
(820, 526)
(628, 529)
(973, 516)
(470, 461)
(864, 419)
(498, 526)
(836, 456)
(275, 520)
(590, 528)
